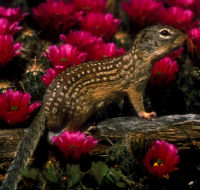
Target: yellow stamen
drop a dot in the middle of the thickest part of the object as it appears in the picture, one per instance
(158, 163)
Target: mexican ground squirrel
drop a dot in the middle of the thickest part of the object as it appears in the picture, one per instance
(79, 91)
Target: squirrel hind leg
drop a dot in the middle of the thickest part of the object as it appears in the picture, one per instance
(54, 123)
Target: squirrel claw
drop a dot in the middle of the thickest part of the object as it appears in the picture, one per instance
(145, 115)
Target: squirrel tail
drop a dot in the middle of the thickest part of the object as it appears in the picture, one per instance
(24, 152)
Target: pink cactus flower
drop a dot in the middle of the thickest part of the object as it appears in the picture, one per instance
(80, 39)
(90, 5)
(56, 15)
(8, 49)
(64, 56)
(12, 14)
(50, 74)
(177, 17)
(101, 50)
(143, 12)
(161, 159)
(15, 106)
(100, 24)
(74, 144)
(181, 3)
(164, 72)
(7, 28)
(194, 36)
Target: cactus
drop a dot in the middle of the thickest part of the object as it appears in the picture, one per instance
(5, 85)
(31, 81)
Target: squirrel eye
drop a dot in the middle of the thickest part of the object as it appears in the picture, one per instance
(165, 33)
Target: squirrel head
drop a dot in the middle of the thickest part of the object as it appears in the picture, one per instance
(155, 42)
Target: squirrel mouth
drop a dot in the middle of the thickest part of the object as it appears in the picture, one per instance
(181, 40)
(186, 42)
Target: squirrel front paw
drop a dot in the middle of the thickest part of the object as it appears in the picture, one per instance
(145, 115)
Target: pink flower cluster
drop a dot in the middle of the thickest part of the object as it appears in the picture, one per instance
(56, 15)
(59, 15)
(177, 17)
(142, 12)
(161, 159)
(179, 14)
(74, 144)
(15, 106)
(64, 56)
(9, 26)
(193, 5)
(94, 47)
(80, 39)
(8, 49)
(12, 14)
(85, 44)
(100, 24)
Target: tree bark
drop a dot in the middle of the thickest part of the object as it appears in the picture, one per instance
(181, 130)
(9, 139)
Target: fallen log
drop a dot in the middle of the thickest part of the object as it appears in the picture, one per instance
(181, 130)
